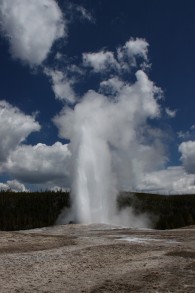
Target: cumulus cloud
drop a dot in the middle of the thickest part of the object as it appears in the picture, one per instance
(62, 85)
(131, 51)
(15, 126)
(100, 61)
(187, 150)
(173, 180)
(131, 55)
(40, 163)
(14, 185)
(111, 86)
(4, 186)
(31, 28)
(104, 62)
(137, 47)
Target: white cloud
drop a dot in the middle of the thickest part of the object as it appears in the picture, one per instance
(85, 13)
(43, 165)
(100, 61)
(170, 113)
(187, 150)
(133, 49)
(62, 85)
(58, 188)
(173, 180)
(111, 86)
(127, 56)
(14, 185)
(147, 91)
(15, 126)
(183, 134)
(31, 27)
(188, 134)
(39, 164)
(137, 47)
(4, 186)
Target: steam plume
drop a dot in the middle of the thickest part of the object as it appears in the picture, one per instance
(108, 143)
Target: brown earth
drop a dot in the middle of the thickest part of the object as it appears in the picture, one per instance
(96, 259)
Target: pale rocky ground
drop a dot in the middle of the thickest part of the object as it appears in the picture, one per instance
(97, 258)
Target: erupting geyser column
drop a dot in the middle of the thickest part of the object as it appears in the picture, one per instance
(93, 187)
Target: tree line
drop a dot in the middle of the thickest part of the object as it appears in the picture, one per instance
(28, 210)
(165, 211)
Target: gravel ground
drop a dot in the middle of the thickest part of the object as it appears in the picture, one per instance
(97, 258)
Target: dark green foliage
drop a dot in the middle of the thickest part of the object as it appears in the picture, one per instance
(27, 210)
(166, 212)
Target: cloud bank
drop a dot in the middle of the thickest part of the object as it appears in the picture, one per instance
(13, 185)
(173, 180)
(39, 163)
(27, 164)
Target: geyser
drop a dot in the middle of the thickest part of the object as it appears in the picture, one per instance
(94, 190)
(111, 139)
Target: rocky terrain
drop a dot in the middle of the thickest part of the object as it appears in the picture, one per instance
(97, 258)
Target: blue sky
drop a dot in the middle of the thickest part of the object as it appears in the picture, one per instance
(45, 73)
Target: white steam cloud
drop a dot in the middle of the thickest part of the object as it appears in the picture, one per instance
(111, 135)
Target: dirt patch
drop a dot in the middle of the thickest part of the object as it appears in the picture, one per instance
(191, 266)
(118, 286)
(182, 253)
(21, 243)
(97, 258)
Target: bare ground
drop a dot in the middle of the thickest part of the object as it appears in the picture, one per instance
(96, 259)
